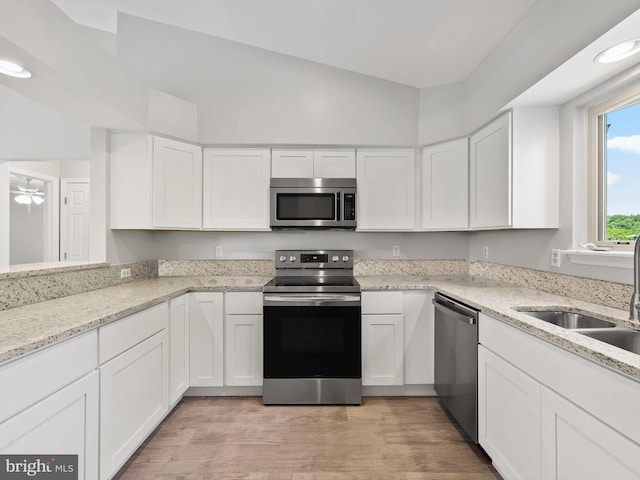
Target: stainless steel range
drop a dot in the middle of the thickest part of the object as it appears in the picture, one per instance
(312, 330)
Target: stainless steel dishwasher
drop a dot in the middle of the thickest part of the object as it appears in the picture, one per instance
(456, 361)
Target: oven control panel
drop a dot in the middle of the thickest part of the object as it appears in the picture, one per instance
(314, 259)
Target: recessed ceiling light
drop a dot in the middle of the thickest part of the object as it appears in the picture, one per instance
(13, 69)
(619, 51)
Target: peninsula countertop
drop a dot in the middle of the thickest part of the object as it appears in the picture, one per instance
(25, 329)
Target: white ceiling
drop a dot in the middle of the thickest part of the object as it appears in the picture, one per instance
(420, 43)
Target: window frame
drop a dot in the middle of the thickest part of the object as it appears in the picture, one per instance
(597, 137)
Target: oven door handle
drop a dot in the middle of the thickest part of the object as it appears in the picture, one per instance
(311, 299)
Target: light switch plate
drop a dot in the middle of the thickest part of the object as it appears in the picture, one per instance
(218, 250)
(396, 250)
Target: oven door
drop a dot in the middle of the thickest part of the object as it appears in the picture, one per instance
(312, 336)
(305, 207)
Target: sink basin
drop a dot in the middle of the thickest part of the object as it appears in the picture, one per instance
(570, 320)
(621, 337)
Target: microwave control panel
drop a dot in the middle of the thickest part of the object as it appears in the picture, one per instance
(349, 206)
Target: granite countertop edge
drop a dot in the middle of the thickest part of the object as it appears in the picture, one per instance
(25, 330)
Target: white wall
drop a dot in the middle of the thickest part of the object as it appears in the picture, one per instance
(201, 245)
(248, 95)
(4, 214)
(27, 233)
(31, 130)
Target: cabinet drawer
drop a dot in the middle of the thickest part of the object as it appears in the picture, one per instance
(38, 375)
(376, 303)
(129, 331)
(243, 303)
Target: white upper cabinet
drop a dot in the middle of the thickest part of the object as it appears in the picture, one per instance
(445, 180)
(334, 163)
(236, 189)
(155, 182)
(326, 163)
(177, 184)
(386, 189)
(514, 169)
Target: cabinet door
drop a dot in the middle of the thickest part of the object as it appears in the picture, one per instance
(445, 180)
(177, 184)
(490, 175)
(206, 351)
(65, 423)
(291, 163)
(386, 190)
(178, 347)
(334, 163)
(243, 350)
(236, 189)
(382, 350)
(134, 397)
(418, 338)
(576, 445)
(508, 417)
(130, 180)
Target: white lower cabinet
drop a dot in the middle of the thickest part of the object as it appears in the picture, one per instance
(206, 339)
(134, 398)
(418, 337)
(178, 347)
(65, 422)
(550, 414)
(382, 339)
(509, 419)
(243, 339)
(576, 445)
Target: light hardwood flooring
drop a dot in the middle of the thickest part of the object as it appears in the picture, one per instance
(390, 438)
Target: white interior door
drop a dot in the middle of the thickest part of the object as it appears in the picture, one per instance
(74, 220)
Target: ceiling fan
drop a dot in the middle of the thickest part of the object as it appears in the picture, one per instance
(28, 195)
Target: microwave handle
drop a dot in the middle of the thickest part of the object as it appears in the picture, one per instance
(338, 213)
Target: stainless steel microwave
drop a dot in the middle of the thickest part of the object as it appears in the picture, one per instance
(313, 203)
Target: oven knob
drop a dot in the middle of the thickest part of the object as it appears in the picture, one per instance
(335, 258)
(283, 258)
(292, 258)
(345, 258)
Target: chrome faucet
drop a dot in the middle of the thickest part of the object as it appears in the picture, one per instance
(635, 298)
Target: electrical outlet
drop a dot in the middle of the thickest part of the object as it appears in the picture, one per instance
(485, 253)
(396, 250)
(556, 257)
(218, 250)
(125, 272)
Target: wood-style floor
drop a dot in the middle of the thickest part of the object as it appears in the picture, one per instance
(390, 438)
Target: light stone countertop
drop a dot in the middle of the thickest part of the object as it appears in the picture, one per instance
(503, 302)
(25, 329)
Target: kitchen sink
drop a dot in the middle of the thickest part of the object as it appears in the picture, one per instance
(570, 320)
(620, 337)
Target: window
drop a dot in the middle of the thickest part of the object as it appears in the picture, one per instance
(616, 189)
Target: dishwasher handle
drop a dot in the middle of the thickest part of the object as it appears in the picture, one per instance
(448, 306)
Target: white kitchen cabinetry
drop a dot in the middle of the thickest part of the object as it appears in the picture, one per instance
(580, 433)
(236, 189)
(243, 339)
(445, 180)
(134, 384)
(514, 171)
(382, 338)
(56, 410)
(65, 423)
(206, 345)
(178, 347)
(155, 183)
(576, 445)
(509, 422)
(326, 163)
(386, 189)
(418, 337)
